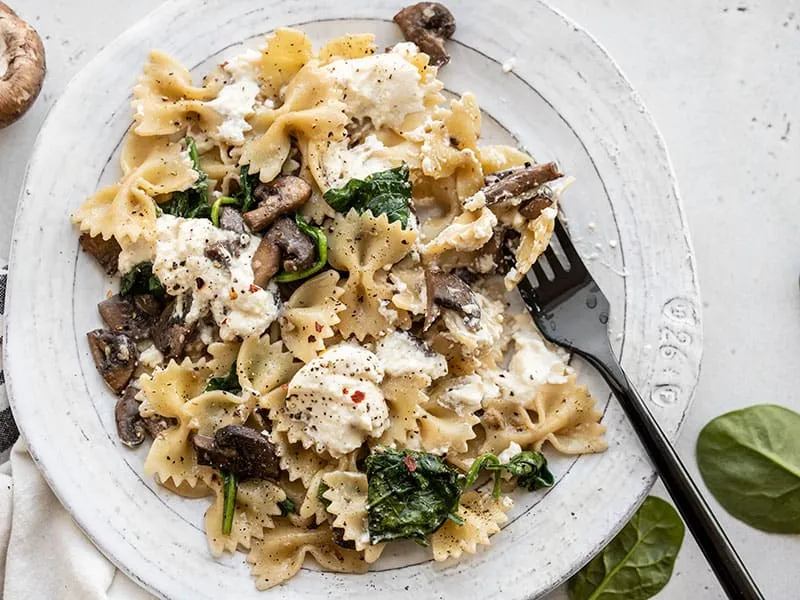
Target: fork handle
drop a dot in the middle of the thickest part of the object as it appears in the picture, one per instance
(720, 554)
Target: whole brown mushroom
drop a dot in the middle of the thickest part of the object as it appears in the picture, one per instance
(22, 66)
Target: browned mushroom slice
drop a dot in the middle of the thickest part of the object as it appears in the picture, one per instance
(503, 187)
(22, 66)
(448, 291)
(130, 425)
(239, 449)
(231, 219)
(283, 245)
(105, 251)
(286, 194)
(222, 252)
(156, 424)
(115, 356)
(531, 209)
(337, 534)
(428, 25)
(133, 317)
(171, 332)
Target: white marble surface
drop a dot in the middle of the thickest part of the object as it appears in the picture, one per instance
(722, 79)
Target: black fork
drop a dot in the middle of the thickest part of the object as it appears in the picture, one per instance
(571, 311)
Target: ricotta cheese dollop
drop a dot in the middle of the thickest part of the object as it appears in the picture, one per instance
(194, 257)
(237, 99)
(384, 87)
(341, 163)
(466, 394)
(335, 401)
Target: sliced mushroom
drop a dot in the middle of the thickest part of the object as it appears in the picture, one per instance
(134, 317)
(448, 291)
(130, 424)
(358, 130)
(531, 209)
(239, 449)
(22, 66)
(222, 252)
(105, 251)
(337, 534)
(156, 424)
(171, 332)
(508, 185)
(231, 219)
(286, 194)
(283, 245)
(428, 25)
(115, 357)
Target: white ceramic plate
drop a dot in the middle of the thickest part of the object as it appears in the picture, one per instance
(564, 100)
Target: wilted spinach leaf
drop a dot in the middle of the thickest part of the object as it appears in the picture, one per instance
(247, 184)
(410, 495)
(141, 280)
(529, 467)
(229, 383)
(638, 562)
(750, 460)
(229, 487)
(193, 202)
(323, 487)
(386, 192)
(287, 507)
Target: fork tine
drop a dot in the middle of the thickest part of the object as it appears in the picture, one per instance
(573, 258)
(541, 276)
(554, 261)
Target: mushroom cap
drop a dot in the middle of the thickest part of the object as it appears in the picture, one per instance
(22, 66)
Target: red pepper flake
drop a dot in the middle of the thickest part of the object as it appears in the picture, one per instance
(318, 326)
(285, 387)
(254, 288)
(345, 391)
(358, 396)
(233, 294)
(411, 464)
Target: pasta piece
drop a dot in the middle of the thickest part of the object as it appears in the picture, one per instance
(298, 462)
(213, 410)
(223, 355)
(468, 232)
(312, 508)
(404, 396)
(535, 239)
(286, 52)
(442, 430)
(165, 101)
(347, 494)
(464, 122)
(127, 209)
(347, 47)
(256, 504)
(499, 158)
(482, 514)
(166, 391)
(262, 366)
(281, 553)
(310, 314)
(311, 111)
(563, 414)
(361, 245)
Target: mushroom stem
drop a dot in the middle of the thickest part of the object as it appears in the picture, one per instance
(22, 66)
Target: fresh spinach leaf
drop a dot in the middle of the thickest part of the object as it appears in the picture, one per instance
(410, 494)
(193, 202)
(638, 562)
(247, 184)
(386, 192)
(750, 460)
(321, 243)
(287, 507)
(229, 487)
(141, 280)
(229, 383)
(529, 467)
(323, 487)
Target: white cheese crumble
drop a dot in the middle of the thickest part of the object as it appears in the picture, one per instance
(509, 65)
(402, 354)
(533, 364)
(384, 87)
(151, 357)
(133, 253)
(225, 288)
(337, 400)
(466, 394)
(514, 449)
(341, 164)
(237, 99)
(486, 335)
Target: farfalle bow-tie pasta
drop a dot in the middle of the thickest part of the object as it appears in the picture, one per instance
(315, 322)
